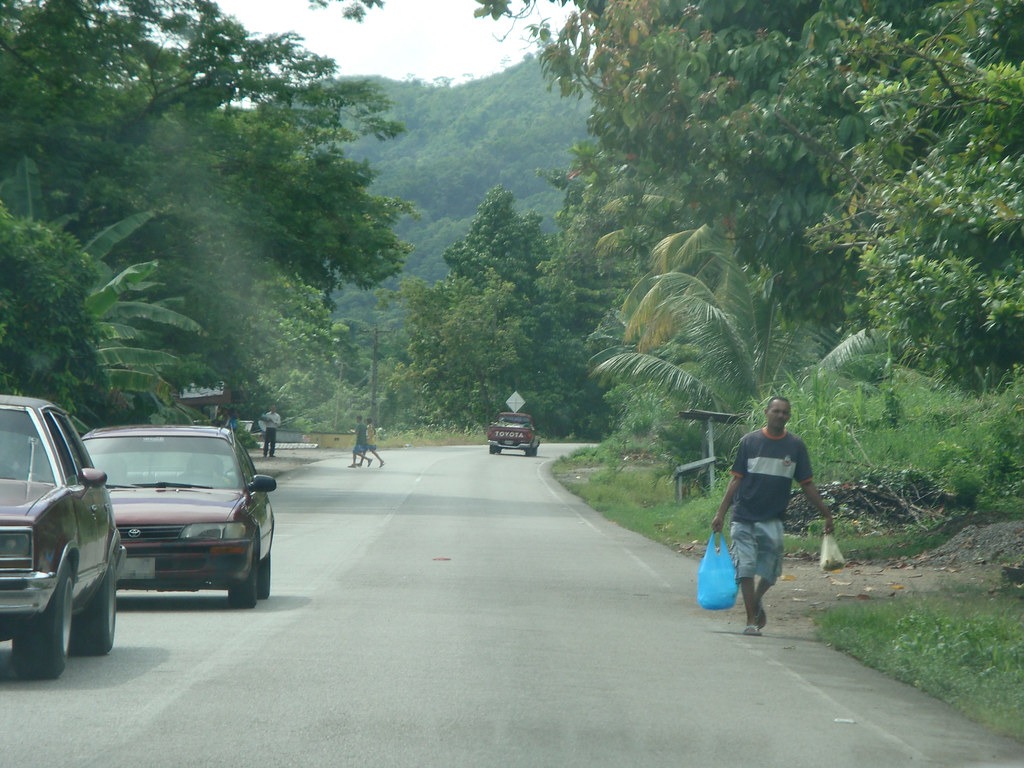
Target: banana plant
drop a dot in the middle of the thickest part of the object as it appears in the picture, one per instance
(130, 366)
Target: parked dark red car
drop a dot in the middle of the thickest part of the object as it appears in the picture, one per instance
(60, 552)
(192, 512)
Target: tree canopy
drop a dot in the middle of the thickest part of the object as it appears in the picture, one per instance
(235, 142)
(865, 154)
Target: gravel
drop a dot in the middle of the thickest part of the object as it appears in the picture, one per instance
(998, 543)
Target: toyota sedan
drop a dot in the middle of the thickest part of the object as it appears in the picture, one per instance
(192, 511)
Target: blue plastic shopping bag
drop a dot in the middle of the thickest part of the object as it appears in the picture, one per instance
(716, 577)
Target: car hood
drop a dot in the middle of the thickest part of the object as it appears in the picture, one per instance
(173, 506)
(18, 498)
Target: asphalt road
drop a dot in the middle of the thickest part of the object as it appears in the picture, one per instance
(461, 609)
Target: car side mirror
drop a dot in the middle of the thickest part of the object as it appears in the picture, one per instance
(91, 477)
(262, 484)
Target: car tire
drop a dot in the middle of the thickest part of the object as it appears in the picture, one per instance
(40, 651)
(244, 595)
(263, 579)
(495, 449)
(92, 631)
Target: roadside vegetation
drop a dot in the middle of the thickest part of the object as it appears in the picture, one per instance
(965, 648)
(823, 199)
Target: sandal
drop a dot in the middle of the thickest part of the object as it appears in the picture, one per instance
(752, 630)
(762, 617)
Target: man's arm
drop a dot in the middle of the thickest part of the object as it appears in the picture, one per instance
(730, 491)
(811, 492)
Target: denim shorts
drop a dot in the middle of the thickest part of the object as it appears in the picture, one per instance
(757, 549)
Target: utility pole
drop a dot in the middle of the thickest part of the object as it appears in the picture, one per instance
(373, 375)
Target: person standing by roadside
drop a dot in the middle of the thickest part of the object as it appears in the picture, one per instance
(359, 448)
(271, 421)
(767, 463)
(371, 445)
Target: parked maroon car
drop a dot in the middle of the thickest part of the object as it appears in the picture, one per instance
(192, 512)
(60, 552)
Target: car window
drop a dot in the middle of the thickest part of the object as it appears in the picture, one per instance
(171, 460)
(22, 455)
(245, 461)
(73, 440)
(70, 459)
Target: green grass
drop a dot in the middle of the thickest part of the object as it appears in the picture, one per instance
(966, 649)
(421, 436)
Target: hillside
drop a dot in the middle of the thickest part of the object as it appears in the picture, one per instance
(460, 141)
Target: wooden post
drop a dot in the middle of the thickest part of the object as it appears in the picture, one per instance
(709, 418)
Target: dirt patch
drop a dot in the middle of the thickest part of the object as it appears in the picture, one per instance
(286, 459)
(975, 558)
(804, 589)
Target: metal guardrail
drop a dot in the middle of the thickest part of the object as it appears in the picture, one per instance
(684, 469)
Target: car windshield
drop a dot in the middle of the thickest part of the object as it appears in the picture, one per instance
(21, 451)
(165, 461)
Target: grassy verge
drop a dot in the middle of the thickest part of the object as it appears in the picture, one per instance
(966, 649)
(426, 436)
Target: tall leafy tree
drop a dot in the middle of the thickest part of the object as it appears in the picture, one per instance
(465, 348)
(234, 141)
(935, 197)
(503, 321)
(685, 94)
(849, 147)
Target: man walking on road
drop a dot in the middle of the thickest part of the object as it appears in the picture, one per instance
(271, 421)
(359, 448)
(767, 463)
(371, 446)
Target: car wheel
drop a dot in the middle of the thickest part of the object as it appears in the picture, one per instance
(40, 651)
(244, 595)
(263, 579)
(495, 450)
(92, 631)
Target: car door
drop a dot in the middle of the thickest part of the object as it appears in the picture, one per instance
(92, 506)
(260, 507)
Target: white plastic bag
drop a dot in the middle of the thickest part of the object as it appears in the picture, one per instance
(831, 558)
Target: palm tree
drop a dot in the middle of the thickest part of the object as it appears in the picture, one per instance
(701, 326)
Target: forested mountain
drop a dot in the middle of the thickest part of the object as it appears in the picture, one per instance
(461, 141)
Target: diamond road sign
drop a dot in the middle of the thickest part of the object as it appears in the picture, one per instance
(515, 401)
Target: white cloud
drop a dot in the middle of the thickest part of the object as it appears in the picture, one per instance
(426, 39)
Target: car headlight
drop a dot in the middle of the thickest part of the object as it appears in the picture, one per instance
(213, 531)
(15, 544)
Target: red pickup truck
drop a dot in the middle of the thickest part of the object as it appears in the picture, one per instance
(513, 431)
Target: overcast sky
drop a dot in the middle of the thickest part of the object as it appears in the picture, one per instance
(425, 39)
